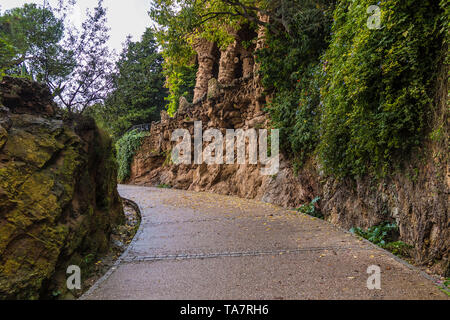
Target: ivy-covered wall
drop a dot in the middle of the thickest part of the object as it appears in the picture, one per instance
(126, 147)
(358, 97)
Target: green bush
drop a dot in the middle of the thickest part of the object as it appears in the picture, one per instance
(379, 235)
(126, 148)
(310, 209)
(385, 235)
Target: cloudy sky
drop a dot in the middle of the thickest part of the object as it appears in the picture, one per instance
(127, 17)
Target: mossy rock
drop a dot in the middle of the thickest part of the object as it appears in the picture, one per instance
(58, 201)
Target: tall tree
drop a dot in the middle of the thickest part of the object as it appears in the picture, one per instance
(75, 63)
(90, 79)
(31, 37)
(138, 87)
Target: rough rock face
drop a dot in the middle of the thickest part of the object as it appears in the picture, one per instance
(58, 197)
(416, 198)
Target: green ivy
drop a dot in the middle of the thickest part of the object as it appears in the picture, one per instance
(126, 148)
(378, 84)
(180, 82)
(289, 66)
(359, 98)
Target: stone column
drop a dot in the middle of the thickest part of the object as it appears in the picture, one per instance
(261, 40)
(247, 63)
(206, 60)
(227, 64)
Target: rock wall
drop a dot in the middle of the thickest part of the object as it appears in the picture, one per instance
(58, 197)
(417, 198)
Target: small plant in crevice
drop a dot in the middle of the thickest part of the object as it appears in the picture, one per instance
(164, 186)
(88, 259)
(379, 235)
(310, 209)
(446, 287)
(399, 248)
(385, 235)
(56, 293)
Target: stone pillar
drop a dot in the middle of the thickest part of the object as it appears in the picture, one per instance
(260, 42)
(247, 63)
(227, 64)
(206, 59)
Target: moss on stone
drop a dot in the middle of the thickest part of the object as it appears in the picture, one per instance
(58, 202)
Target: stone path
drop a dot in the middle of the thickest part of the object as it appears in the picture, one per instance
(207, 246)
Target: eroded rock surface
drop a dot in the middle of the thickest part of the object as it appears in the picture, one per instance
(58, 197)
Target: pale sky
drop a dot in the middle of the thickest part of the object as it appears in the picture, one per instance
(127, 17)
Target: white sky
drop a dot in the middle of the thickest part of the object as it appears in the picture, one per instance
(127, 17)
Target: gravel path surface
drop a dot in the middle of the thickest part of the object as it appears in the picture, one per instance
(207, 246)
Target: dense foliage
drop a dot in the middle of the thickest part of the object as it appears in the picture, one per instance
(126, 147)
(378, 84)
(30, 40)
(359, 97)
(290, 70)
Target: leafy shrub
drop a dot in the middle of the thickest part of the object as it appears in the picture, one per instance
(378, 235)
(310, 209)
(384, 235)
(126, 148)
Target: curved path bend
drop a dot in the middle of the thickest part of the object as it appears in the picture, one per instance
(206, 246)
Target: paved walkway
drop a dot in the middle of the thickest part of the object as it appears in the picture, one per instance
(207, 246)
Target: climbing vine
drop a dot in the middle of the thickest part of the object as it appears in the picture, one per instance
(126, 148)
(359, 97)
(378, 88)
(289, 67)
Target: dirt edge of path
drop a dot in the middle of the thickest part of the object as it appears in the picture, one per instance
(110, 261)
